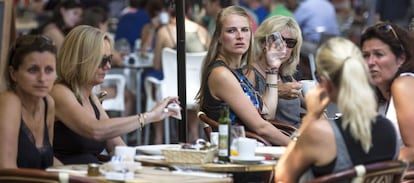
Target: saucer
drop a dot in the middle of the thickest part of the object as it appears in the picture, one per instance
(248, 160)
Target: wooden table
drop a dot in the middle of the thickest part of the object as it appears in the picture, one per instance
(147, 175)
(262, 172)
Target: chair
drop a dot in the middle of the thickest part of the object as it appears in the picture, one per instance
(409, 175)
(210, 123)
(26, 175)
(169, 86)
(118, 102)
(391, 171)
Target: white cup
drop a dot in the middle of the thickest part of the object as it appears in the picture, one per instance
(246, 147)
(164, 18)
(126, 153)
(307, 85)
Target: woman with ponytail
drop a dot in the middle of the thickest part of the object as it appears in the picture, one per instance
(359, 136)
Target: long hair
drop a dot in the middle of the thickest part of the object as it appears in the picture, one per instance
(401, 44)
(214, 48)
(80, 56)
(23, 46)
(340, 61)
(276, 24)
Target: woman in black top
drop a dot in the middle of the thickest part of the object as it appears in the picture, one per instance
(26, 109)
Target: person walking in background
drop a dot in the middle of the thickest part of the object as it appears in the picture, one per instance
(83, 129)
(27, 110)
(360, 136)
(131, 22)
(222, 85)
(314, 23)
(391, 64)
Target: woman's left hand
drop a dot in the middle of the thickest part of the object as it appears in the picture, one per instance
(160, 111)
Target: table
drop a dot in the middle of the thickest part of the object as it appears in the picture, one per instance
(262, 172)
(147, 175)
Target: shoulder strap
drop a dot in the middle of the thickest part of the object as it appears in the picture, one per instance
(171, 36)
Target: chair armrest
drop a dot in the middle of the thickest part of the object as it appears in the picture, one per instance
(283, 127)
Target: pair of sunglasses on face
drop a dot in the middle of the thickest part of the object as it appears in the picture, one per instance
(105, 61)
(290, 42)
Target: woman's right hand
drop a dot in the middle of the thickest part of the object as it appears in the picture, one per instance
(317, 101)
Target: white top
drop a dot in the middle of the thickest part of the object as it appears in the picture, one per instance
(391, 113)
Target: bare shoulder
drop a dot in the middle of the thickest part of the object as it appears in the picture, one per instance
(220, 74)
(9, 98)
(403, 83)
(61, 93)
(316, 132)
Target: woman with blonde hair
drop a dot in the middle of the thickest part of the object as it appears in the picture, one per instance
(286, 104)
(223, 85)
(359, 136)
(83, 129)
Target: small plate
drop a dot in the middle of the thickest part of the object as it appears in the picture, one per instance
(155, 149)
(250, 160)
(273, 151)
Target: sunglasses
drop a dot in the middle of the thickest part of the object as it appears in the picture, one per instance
(388, 28)
(276, 36)
(106, 60)
(290, 42)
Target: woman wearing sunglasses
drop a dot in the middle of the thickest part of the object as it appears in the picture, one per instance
(391, 64)
(83, 129)
(285, 104)
(26, 108)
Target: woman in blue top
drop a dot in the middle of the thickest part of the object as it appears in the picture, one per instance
(26, 109)
(222, 85)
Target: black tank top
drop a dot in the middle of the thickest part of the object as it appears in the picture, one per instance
(28, 155)
(72, 148)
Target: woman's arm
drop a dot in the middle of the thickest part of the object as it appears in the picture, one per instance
(403, 97)
(301, 154)
(83, 122)
(224, 86)
(10, 118)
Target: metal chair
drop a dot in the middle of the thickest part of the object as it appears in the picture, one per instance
(26, 175)
(391, 171)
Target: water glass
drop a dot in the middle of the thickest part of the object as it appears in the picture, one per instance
(236, 133)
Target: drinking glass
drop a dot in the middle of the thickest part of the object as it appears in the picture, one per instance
(275, 40)
(236, 132)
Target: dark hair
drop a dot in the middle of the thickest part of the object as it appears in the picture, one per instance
(400, 44)
(153, 7)
(23, 46)
(94, 16)
(57, 17)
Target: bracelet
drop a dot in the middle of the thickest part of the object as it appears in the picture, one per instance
(295, 135)
(274, 70)
(141, 120)
(271, 85)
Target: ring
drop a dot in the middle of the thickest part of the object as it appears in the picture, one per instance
(165, 110)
